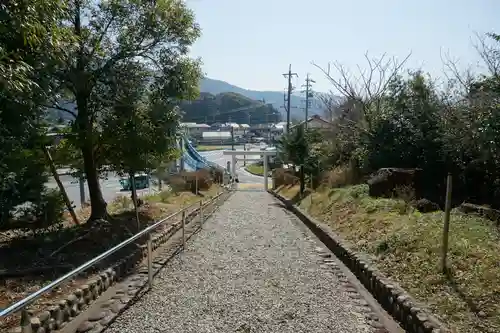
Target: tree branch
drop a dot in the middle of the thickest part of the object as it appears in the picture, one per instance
(101, 37)
(58, 107)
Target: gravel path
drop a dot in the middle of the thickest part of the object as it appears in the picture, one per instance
(253, 268)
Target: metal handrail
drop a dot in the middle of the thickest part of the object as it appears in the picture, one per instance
(19, 305)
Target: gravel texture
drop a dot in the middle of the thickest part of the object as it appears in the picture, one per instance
(253, 268)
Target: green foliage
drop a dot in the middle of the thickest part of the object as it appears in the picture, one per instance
(221, 108)
(140, 130)
(121, 43)
(116, 68)
(30, 41)
(406, 131)
(302, 147)
(413, 124)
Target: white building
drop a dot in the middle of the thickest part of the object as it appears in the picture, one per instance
(195, 130)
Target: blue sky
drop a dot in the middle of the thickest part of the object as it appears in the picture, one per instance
(250, 43)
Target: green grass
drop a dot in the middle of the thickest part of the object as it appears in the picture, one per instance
(405, 244)
(208, 148)
(255, 169)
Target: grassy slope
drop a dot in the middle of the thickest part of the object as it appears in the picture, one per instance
(405, 245)
(208, 148)
(255, 169)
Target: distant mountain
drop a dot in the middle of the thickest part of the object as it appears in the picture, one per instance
(275, 97)
(217, 87)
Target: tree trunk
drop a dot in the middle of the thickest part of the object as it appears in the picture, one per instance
(97, 202)
(98, 205)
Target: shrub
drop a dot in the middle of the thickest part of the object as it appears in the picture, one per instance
(164, 196)
(44, 215)
(188, 180)
(285, 177)
(341, 176)
(201, 178)
(122, 202)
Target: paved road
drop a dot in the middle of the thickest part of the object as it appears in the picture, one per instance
(111, 187)
(244, 177)
(252, 268)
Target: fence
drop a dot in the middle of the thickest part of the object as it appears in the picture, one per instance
(200, 209)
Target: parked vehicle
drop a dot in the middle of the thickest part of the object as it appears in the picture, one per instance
(141, 181)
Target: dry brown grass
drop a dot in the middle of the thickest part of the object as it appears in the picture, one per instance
(285, 177)
(341, 176)
(190, 181)
(405, 245)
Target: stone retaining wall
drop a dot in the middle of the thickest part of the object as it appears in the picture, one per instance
(57, 315)
(397, 302)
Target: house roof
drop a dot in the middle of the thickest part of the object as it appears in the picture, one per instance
(313, 118)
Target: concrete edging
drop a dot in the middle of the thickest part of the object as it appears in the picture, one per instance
(56, 315)
(396, 301)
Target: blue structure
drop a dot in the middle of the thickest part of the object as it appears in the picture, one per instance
(193, 159)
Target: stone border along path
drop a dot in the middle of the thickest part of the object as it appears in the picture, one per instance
(414, 316)
(252, 268)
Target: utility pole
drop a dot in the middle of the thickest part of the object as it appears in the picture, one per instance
(232, 137)
(285, 104)
(309, 93)
(289, 75)
(232, 133)
(245, 140)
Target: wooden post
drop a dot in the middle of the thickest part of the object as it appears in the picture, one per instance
(196, 184)
(60, 185)
(446, 222)
(311, 194)
(160, 183)
(134, 200)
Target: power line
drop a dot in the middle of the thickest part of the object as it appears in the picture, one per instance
(309, 94)
(289, 75)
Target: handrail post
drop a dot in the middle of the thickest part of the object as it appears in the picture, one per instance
(183, 230)
(201, 212)
(150, 260)
(25, 321)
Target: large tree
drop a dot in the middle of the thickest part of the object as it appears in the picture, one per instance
(140, 129)
(110, 35)
(30, 44)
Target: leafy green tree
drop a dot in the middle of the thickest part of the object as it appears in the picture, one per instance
(302, 147)
(140, 130)
(30, 38)
(406, 129)
(110, 35)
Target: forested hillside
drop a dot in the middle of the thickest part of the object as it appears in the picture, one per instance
(274, 97)
(228, 107)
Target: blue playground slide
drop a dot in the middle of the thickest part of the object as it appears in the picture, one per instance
(191, 161)
(194, 160)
